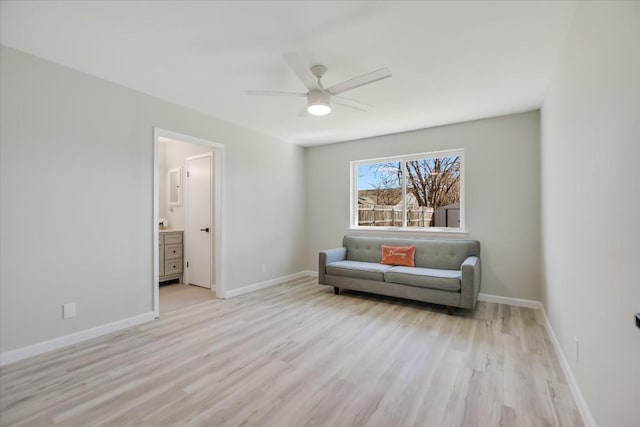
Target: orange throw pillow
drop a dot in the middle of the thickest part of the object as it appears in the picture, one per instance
(398, 255)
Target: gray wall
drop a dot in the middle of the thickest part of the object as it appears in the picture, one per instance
(76, 199)
(502, 193)
(591, 180)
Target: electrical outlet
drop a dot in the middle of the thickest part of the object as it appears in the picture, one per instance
(576, 348)
(69, 310)
(264, 268)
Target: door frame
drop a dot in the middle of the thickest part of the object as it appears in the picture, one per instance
(210, 155)
(218, 200)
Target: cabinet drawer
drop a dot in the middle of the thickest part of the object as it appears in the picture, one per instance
(161, 262)
(172, 251)
(172, 239)
(172, 267)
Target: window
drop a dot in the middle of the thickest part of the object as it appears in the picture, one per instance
(416, 192)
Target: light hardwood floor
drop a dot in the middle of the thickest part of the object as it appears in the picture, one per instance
(175, 296)
(298, 355)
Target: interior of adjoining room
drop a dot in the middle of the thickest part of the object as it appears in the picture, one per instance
(188, 231)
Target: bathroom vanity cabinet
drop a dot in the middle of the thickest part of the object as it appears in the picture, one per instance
(171, 255)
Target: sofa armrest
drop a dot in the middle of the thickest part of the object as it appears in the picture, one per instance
(470, 283)
(327, 257)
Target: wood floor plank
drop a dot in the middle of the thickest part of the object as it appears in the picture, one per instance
(298, 355)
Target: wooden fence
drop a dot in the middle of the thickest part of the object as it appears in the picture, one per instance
(391, 216)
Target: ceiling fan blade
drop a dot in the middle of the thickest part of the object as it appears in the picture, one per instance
(362, 80)
(351, 103)
(273, 93)
(302, 70)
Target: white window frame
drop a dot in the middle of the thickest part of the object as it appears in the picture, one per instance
(353, 214)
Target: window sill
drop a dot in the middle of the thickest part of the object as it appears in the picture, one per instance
(390, 231)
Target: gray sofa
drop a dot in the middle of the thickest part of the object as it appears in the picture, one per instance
(446, 272)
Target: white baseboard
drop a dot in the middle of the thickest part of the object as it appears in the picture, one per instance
(581, 403)
(310, 273)
(267, 283)
(518, 302)
(63, 341)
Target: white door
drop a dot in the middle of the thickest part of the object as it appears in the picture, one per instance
(198, 232)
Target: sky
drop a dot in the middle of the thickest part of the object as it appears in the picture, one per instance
(367, 179)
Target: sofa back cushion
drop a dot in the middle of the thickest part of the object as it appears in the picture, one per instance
(441, 254)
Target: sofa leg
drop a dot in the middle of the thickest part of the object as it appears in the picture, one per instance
(449, 310)
(336, 290)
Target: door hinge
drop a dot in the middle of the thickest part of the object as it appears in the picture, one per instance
(187, 264)
(187, 174)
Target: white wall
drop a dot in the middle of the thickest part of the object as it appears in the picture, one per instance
(590, 199)
(502, 193)
(76, 199)
(172, 155)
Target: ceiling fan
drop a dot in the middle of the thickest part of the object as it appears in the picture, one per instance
(319, 98)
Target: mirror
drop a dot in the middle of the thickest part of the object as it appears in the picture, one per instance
(175, 187)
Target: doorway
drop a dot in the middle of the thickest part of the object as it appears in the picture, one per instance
(202, 263)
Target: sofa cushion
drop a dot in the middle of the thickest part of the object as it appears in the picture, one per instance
(358, 270)
(446, 280)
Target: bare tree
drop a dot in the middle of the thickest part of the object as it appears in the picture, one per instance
(434, 182)
(387, 189)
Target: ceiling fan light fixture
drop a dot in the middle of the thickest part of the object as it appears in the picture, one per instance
(318, 103)
(319, 109)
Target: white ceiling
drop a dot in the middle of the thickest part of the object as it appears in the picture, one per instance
(451, 61)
